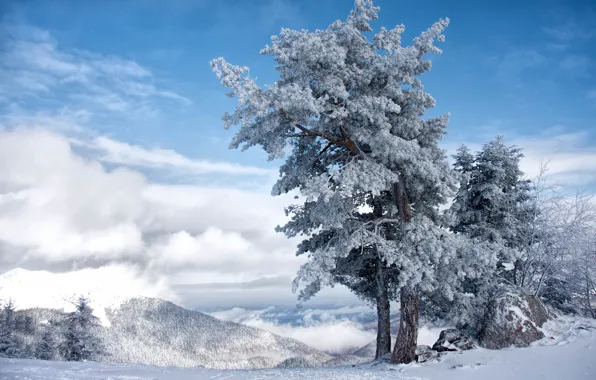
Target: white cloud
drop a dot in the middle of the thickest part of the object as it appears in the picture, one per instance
(332, 337)
(121, 153)
(210, 249)
(59, 208)
(34, 64)
(571, 159)
(215, 245)
(333, 333)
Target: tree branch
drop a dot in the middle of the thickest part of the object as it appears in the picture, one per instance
(344, 141)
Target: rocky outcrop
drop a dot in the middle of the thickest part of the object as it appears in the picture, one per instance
(512, 319)
(453, 340)
(425, 353)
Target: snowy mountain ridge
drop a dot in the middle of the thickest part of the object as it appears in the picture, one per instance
(147, 330)
(43, 289)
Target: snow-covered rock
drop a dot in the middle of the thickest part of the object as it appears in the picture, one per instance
(513, 320)
(424, 353)
(453, 340)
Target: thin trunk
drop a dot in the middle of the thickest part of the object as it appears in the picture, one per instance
(588, 295)
(383, 315)
(541, 281)
(407, 336)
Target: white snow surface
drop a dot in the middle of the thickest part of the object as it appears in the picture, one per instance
(567, 352)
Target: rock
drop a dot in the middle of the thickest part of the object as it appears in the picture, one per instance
(425, 353)
(453, 340)
(512, 319)
(538, 313)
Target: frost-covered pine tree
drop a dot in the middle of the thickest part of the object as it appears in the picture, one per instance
(492, 210)
(80, 341)
(47, 347)
(10, 344)
(492, 201)
(347, 113)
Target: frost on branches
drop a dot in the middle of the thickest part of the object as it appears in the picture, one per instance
(367, 164)
(493, 204)
(492, 208)
(537, 240)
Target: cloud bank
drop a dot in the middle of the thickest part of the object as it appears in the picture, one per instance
(333, 330)
(57, 207)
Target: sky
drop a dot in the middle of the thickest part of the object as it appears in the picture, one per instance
(113, 155)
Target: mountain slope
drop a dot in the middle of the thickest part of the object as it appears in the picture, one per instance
(152, 331)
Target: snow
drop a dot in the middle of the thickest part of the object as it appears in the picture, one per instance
(428, 335)
(43, 289)
(508, 266)
(567, 352)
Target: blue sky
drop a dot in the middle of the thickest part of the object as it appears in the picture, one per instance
(522, 69)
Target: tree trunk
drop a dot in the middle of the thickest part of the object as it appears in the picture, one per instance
(588, 295)
(407, 336)
(383, 315)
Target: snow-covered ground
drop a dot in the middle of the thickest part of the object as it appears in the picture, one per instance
(567, 353)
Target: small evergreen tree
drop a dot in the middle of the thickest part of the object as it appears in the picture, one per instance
(492, 209)
(47, 348)
(81, 341)
(492, 201)
(10, 344)
(24, 324)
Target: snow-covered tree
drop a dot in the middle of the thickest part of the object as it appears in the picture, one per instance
(24, 324)
(10, 344)
(491, 217)
(81, 341)
(492, 201)
(47, 347)
(573, 252)
(468, 278)
(348, 114)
